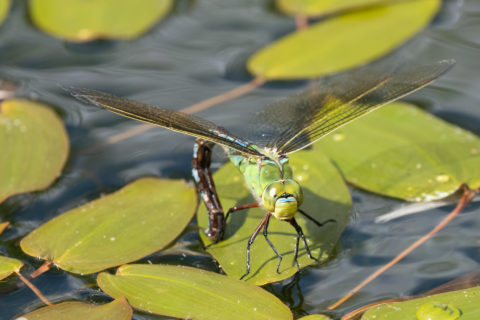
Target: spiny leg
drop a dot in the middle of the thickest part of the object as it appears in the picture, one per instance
(202, 152)
(241, 207)
(309, 217)
(300, 234)
(252, 238)
(265, 234)
(234, 209)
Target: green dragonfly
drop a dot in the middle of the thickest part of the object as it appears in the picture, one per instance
(281, 128)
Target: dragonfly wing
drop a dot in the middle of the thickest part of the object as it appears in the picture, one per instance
(300, 120)
(169, 119)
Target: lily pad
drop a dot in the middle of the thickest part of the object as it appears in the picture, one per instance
(344, 41)
(315, 317)
(86, 20)
(34, 147)
(404, 152)
(9, 266)
(119, 309)
(442, 306)
(315, 8)
(326, 197)
(4, 9)
(125, 226)
(3, 226)
(190, 293)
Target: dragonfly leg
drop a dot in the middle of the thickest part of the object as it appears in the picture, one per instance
(202, 152)
(300, 234)
(320, 224)
(265, 234)
(242, 207)
(252, 238)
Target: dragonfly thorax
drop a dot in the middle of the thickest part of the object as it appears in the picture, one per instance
(282, 198)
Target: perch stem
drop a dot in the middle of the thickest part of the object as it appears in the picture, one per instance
(467, 195)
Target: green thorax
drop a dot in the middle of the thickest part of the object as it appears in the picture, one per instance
(258, 173)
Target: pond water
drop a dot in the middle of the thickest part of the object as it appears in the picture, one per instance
(198, 52)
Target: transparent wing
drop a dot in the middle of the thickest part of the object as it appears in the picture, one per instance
(298, 121)
(169, 119)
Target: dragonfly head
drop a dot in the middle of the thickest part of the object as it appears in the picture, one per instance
(282, 198)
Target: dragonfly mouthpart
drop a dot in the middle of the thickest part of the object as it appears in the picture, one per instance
(285, 207)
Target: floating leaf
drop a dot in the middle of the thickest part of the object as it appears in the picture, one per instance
(4, 9)
(314, 8)
(9, 266)
(34, 146)
(326, 197)
(442, 306)
(119, 309)
(3, 226)
(127, 225)
(344, 41)
(86, 20)
(404, 152)
(315, 317)
(190, 293)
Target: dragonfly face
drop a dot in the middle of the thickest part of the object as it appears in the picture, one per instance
(282, 198)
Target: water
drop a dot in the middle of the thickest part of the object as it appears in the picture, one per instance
(195, 54)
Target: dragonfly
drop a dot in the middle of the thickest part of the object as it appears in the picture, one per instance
(281, 128)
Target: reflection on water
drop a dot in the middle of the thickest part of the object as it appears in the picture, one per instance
(193, 55)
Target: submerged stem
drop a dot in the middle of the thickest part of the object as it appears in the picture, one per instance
(34, 289)
(467, 196)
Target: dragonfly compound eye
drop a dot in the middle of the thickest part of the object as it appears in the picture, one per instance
(282, 198)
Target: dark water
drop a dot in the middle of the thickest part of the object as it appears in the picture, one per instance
(197, 52)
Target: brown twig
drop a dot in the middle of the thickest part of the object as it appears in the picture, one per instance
(301, 22)
(467, 195)
(41, 270)
(34, 289)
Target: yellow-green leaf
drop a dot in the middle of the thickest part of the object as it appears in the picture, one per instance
(326, 197)
(125, 226)
(404, 152)
(315, 317)
(119, 309)
(443, 306)
(344, 41)
(190, 293)
(3, 226)
(34, 147)
(4, 9)
(9, 266)
(86, 20)
(314, 8)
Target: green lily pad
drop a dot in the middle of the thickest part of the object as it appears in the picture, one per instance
(315, 8)
(86, 20)
(119, 309)
(190, 293)
(442, 306)
(34, 147)
(326, 197)
(9, 266)
(315, 317)
(4, 9)
(345, 41)
(125, 226)
(404, 152)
